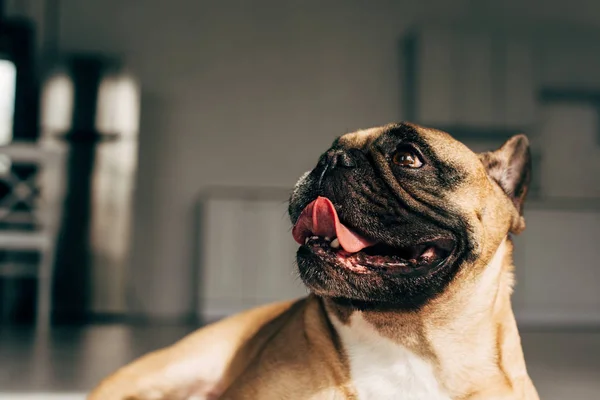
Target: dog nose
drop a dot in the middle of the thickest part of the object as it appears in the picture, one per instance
(338, 158)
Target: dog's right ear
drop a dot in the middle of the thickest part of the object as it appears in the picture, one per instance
(510, 167)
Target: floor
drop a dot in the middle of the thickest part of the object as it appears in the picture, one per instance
(70, 361)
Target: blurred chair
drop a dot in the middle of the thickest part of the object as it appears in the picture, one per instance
(31, 192)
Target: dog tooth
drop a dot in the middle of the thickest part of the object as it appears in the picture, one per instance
(335, 243)
(327, 238)
(306, 240)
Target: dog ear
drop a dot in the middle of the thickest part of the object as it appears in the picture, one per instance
(510, 167)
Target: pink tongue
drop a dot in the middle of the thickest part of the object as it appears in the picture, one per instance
(319, 218)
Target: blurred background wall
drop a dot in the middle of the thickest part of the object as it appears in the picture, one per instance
(236, 93)
(248, 93)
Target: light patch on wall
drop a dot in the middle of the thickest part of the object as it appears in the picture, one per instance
(118, 105)
(118, 110)
(8, 83)
(57, 104)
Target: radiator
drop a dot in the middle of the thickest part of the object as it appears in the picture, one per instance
(246, 253)
(556, 260)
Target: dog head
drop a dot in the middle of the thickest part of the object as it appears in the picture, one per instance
(390, 216)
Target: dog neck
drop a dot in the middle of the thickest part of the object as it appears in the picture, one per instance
(458, 345)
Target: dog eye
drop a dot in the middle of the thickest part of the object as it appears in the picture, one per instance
(407, 158)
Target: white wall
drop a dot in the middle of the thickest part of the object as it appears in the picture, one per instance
(249, 93)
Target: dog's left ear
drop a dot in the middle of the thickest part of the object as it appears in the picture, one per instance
(510, 167)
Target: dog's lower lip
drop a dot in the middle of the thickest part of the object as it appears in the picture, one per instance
(419, 258)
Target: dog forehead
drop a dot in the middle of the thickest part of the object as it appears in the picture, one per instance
(363, 138)
(448, 148)
(442, 143)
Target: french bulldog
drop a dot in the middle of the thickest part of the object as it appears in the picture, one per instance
(405, 246)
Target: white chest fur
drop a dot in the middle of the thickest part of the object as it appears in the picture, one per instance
(381, 369)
